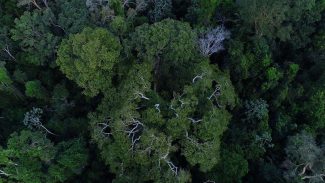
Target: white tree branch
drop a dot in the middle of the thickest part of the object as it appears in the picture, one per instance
(170, 164)
(157, 106)
(4, 173)
(195, 121)
(133, 132)
(216, 92)
(48, 131)
(6, 49)
(105, 126)
(197, 77)
(173, 109)
(141, 95)
(211, 42)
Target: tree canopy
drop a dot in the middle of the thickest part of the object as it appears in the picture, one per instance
(162, 91)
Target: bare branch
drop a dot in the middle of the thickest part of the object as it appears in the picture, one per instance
(105, 126)
(141, 95)
(195, 121)
(197, 77)
(125, 3)
(157, 106)
(209, 181)
(196, 143)
(141, 5)
(133, 132)
(320, 176)
(4, 173)
(6, 49)
(172, 108)
(45, 3)
(216, 93)
(182, 102)
(171, 165)
(211, 42)
(32, 120)
(48, 131)
(134, 141)
(149, 148)
(135, 129)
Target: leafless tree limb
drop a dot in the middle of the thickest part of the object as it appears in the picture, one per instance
(133, 132)
(209, 181)
(6, 49)
(4, 173)
(211, 42)
(173, 109)
(141, 5)
(45, 3)
(320, 176)
(197, 77)
(157, 106)
(216, 93)
(33, 119)
(141, 95)
(195, 121)
(171, 165)
(104, 127)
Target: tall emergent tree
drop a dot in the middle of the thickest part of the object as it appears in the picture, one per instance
(167, 103)
(89, 58)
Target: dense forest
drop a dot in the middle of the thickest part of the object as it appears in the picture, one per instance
(162, 91)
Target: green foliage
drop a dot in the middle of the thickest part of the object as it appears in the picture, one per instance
(31, 157)
(5, 80)
(24, 156)
(28, 2)
(6, 83)
(59, 100)
(202, 11)
(161, 9)
(256, 110)
(101, 11)
(88, 58)
(33, 31)
(232, 167)
(20, 76)
(265, 17)
(8, 11)
(170, 47)
(304, 155)
(143, 130)
(35, 89)
(71, 159)
(293, 70)
(272, 76)
(119, 25)
(314, 110)
(130, 91)
(279, 19)
(249, 62)
(73, 16)
(253, 129)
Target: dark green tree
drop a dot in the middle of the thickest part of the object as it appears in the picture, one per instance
(33, 32)
(88, 58)
(139, 128)
(31, 157)
(35, 89)
(73, 16)
(305, 160)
